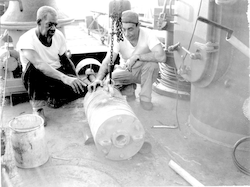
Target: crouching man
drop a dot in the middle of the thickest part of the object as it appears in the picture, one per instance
(139, 55)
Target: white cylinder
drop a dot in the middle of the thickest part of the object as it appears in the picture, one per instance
(117, 132)
(189, 178)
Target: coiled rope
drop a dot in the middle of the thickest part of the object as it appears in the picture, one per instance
(167, 80)
(246, 112)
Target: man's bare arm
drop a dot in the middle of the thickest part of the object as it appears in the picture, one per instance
(67, 62)
(157, 54)
(103, 71)
(45, 68)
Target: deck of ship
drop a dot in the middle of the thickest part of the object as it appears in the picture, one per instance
(72, 163)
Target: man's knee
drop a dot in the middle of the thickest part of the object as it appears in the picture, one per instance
(115, 75)
(151, 67)
(120, 75)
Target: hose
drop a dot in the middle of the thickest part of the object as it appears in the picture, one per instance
(237, 164)
(162, 126)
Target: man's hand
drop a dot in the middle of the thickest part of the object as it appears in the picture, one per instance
(131, 62)
(92, 87)
(75, 83)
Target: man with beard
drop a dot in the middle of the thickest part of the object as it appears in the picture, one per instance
(139, 55)
(48, 74)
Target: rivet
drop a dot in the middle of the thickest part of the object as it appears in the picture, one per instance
(137, 138)
(105, 143)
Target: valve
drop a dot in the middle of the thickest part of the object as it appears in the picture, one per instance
(174, 47)
(183, 69)
(177, 46)
(208, 47)
(193, 56)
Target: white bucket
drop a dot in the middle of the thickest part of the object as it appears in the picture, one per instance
(28, 143)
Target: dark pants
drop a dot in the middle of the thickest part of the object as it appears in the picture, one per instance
(42, 87)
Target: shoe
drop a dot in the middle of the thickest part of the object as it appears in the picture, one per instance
(130, 98)
(40, 112)
(146, 105)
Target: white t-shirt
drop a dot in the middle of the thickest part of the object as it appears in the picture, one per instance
(147, 40)
(29, 40)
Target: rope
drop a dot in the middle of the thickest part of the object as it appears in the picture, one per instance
(237, 164)
(195, 25)
(169, 78)
(167, 81)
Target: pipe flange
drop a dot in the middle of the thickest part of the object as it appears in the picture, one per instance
(120, 139)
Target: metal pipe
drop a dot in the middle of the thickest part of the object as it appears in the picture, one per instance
(164, 127)
(239, 45)
(229, 31)
(183, 173)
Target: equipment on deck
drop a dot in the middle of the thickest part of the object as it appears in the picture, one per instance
(117, 132)
(211, 50)
(10, 68)
(169, 82)
(93, 25)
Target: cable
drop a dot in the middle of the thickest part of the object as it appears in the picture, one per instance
(176, 111)
(237, 164)
(189, 45)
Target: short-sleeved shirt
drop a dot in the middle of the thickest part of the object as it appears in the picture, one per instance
(29, 40)
(146, 42)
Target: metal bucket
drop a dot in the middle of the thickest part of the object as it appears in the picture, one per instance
(117, 132)
(28, 143)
